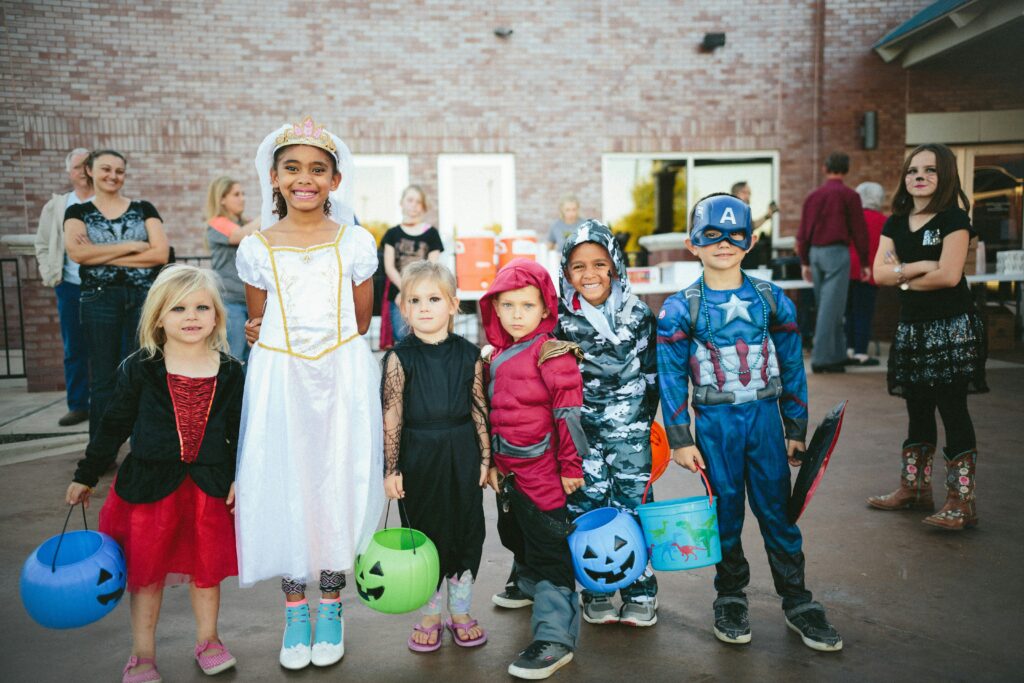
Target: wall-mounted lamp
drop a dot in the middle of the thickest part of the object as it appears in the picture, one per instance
(503, 31)
(869, 130)
(712, 41)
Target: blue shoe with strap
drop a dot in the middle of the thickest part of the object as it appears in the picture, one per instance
(329, 643)
(295, 650)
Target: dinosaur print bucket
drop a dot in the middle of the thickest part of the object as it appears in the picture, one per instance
(682, 533)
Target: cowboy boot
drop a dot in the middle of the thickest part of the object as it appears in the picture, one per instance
(959, 512)
(915, 491)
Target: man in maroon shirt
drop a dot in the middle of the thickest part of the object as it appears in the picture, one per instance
(832, 219)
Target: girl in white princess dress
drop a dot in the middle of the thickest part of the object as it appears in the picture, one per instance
(309, 483)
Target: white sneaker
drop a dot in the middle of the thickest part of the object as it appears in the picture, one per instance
(295, 650)
(296, 657)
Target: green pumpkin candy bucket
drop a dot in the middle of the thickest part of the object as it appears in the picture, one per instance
(398, 572)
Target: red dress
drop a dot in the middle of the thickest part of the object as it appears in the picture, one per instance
(188, 536)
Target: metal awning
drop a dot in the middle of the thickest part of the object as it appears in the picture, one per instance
(945, 25)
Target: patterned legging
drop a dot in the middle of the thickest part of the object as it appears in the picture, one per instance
(329, 583)
(460, 596)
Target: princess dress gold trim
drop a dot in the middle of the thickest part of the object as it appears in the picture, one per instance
(277, 287)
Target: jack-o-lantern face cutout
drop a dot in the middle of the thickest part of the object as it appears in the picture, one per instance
(365, 591)
(105, 581)
(611, 567)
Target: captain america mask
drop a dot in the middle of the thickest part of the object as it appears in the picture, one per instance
(718, 218)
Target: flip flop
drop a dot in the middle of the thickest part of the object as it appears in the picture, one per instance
(465, 627)
(426, 647)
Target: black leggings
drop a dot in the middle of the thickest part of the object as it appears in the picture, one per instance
(952, 404)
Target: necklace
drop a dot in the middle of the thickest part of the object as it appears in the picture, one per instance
(761, 356)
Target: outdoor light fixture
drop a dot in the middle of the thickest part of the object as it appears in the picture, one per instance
(869, 130)
(712, 41)
(503, 31)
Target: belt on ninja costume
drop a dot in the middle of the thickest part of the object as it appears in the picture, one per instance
(449, 423)
(708, 396)
(534, 450)
(509, 496)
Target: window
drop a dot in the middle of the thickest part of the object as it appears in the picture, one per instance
(475, 193)
(380, 179)
(644, 193)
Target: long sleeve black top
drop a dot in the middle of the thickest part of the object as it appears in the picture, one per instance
(142, 408)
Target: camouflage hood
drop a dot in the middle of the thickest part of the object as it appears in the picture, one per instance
(604, 319)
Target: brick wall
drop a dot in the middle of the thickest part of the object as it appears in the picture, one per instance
(187, 90)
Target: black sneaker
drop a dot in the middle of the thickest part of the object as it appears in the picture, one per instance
(541, 659)
(809, 621)
(512, 598)
(831, 368)
(732, 622)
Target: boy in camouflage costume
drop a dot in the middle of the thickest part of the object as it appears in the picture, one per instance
(617, 334)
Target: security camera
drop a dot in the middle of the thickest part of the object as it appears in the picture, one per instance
(503, 31)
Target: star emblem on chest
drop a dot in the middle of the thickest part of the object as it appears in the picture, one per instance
(736, 307)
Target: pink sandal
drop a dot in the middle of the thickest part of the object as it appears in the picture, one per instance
(147, 676)
(426, 647)
(213, 658)
(464, 628)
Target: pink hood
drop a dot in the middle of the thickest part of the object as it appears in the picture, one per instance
(518, 273)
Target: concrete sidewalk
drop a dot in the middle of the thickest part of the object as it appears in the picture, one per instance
(911, 602)
(28, 424)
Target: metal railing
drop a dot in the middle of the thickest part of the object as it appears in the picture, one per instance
(198, 261)
(12, 362)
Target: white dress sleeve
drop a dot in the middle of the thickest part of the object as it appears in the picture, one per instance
(251, 261)
(362, 254)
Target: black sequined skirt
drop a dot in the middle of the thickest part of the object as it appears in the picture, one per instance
(948, 351)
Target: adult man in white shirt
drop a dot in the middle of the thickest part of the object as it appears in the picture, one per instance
(58, 271)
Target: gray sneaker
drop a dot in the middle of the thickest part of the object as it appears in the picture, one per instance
(599, 610)
(539, 660)
(639, 613)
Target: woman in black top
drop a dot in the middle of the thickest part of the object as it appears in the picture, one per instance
(411, 240)
(938, 351)
(120, 244)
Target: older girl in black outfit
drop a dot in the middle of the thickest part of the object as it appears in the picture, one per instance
(938, 352)
(120, 244)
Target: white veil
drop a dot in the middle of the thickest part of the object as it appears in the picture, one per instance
(341, 199)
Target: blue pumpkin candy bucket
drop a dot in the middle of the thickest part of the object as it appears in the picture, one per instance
(682, 533)
(73, 579)
(608, 550)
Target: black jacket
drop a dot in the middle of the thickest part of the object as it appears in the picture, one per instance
(141, 408)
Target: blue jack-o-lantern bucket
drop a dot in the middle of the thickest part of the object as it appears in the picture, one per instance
(73, 579)
(682, 533)
(607, 548)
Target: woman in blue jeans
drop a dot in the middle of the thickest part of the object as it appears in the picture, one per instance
(225, 228)
(120, 245)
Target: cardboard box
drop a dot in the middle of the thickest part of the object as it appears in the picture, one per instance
(999, 324)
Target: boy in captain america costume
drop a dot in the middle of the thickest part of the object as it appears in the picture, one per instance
(736, 340)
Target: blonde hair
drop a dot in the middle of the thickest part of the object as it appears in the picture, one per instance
(418, 189)
(219, 189)
(567, 199)
(174, 283)
(429, 271)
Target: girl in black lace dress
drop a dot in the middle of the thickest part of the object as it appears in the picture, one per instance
(938, 351)
(436, 447)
